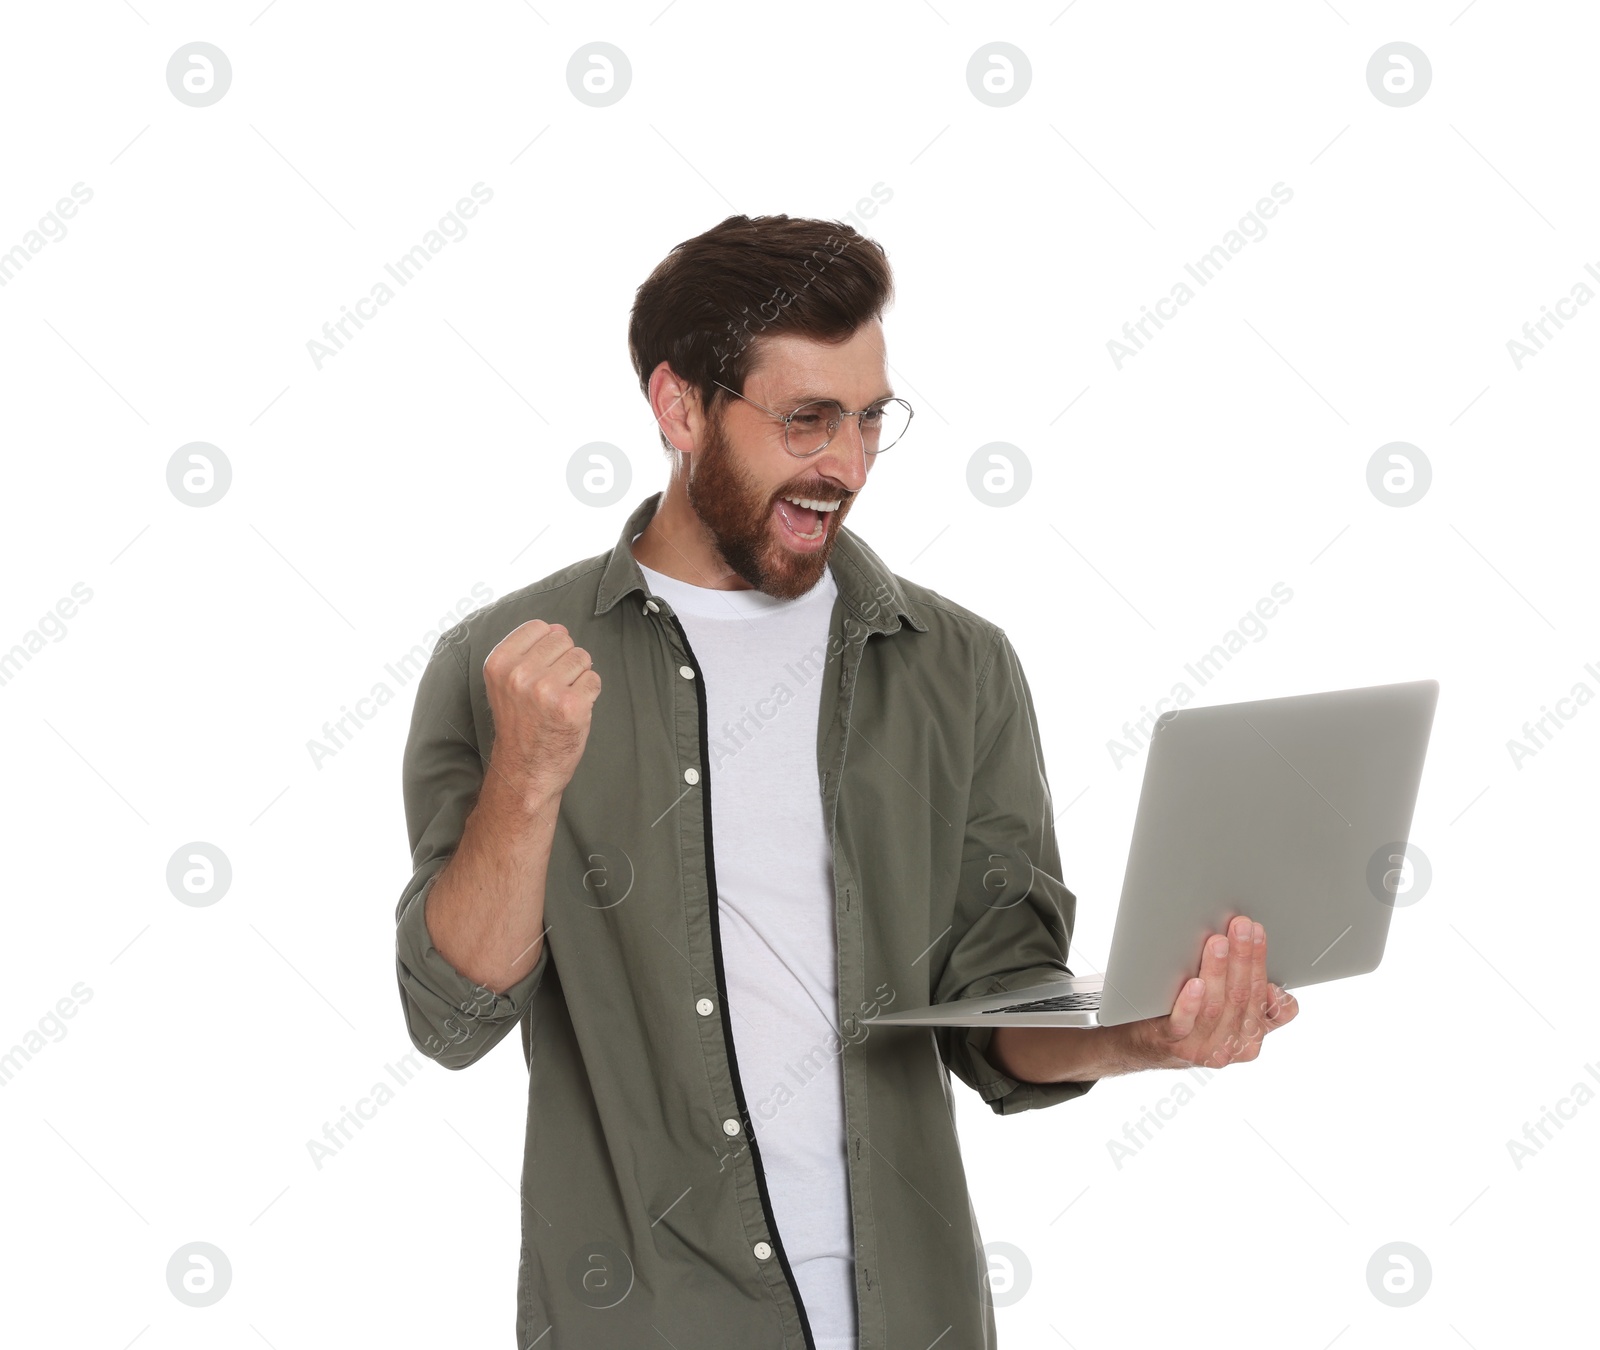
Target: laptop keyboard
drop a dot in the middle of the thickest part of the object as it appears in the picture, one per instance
(1079, 1002)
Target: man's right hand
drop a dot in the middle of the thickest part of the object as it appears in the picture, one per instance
(541, 691)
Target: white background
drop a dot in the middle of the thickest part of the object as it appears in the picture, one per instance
(369, 496)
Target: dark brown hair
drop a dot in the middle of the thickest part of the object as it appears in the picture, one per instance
(708, 303)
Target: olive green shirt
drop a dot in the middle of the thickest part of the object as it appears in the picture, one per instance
(645, 1212)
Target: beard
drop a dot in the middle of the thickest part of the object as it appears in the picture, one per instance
(739, 515)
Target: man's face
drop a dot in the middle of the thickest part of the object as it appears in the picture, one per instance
(742, 474)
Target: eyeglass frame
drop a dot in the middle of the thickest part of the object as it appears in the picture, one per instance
(785, 418)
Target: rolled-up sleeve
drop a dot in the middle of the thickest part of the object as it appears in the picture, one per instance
(450, 1018)
(1014, 914)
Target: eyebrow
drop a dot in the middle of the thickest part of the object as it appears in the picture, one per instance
(795, 400)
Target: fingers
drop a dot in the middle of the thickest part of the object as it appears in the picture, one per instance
(1221, 1016)
(1228, 1038)
(1258, 981)
(571, 664)
(1241, 957)
(520, 641)
(1214, 971)
(1283, 1007)
(1186, 1008)
(542, 648)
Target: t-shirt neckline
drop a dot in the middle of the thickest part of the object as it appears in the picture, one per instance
(706, 602)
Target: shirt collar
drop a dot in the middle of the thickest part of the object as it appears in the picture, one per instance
(870, 591)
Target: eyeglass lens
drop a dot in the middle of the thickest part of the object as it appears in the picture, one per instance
(814, 425)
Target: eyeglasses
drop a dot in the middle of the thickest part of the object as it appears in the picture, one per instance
(810, 427)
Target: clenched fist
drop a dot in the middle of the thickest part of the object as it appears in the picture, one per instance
(541, 691)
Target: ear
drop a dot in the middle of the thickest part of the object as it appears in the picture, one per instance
(675, 404)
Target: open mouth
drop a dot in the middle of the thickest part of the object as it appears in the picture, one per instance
(805, 519)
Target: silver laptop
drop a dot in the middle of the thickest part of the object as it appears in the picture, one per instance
(1295, 811)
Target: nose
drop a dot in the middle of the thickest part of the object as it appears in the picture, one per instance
(845, 457)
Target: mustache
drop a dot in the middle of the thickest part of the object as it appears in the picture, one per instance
(816, 494)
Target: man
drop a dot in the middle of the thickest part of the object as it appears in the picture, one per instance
(722, 1152)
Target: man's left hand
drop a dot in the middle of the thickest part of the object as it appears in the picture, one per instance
(1224, 1013)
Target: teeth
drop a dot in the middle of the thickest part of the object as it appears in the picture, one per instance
(822, 520)
(813, 503)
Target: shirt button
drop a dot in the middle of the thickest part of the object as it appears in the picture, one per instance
(687, 672)
(763, 1250)
(730, 1126)
(703, 1007)
(691, 775)
(652, 606)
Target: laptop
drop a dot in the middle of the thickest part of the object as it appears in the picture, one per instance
(1295, 811)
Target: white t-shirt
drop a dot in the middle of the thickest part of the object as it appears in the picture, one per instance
(762, 660)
